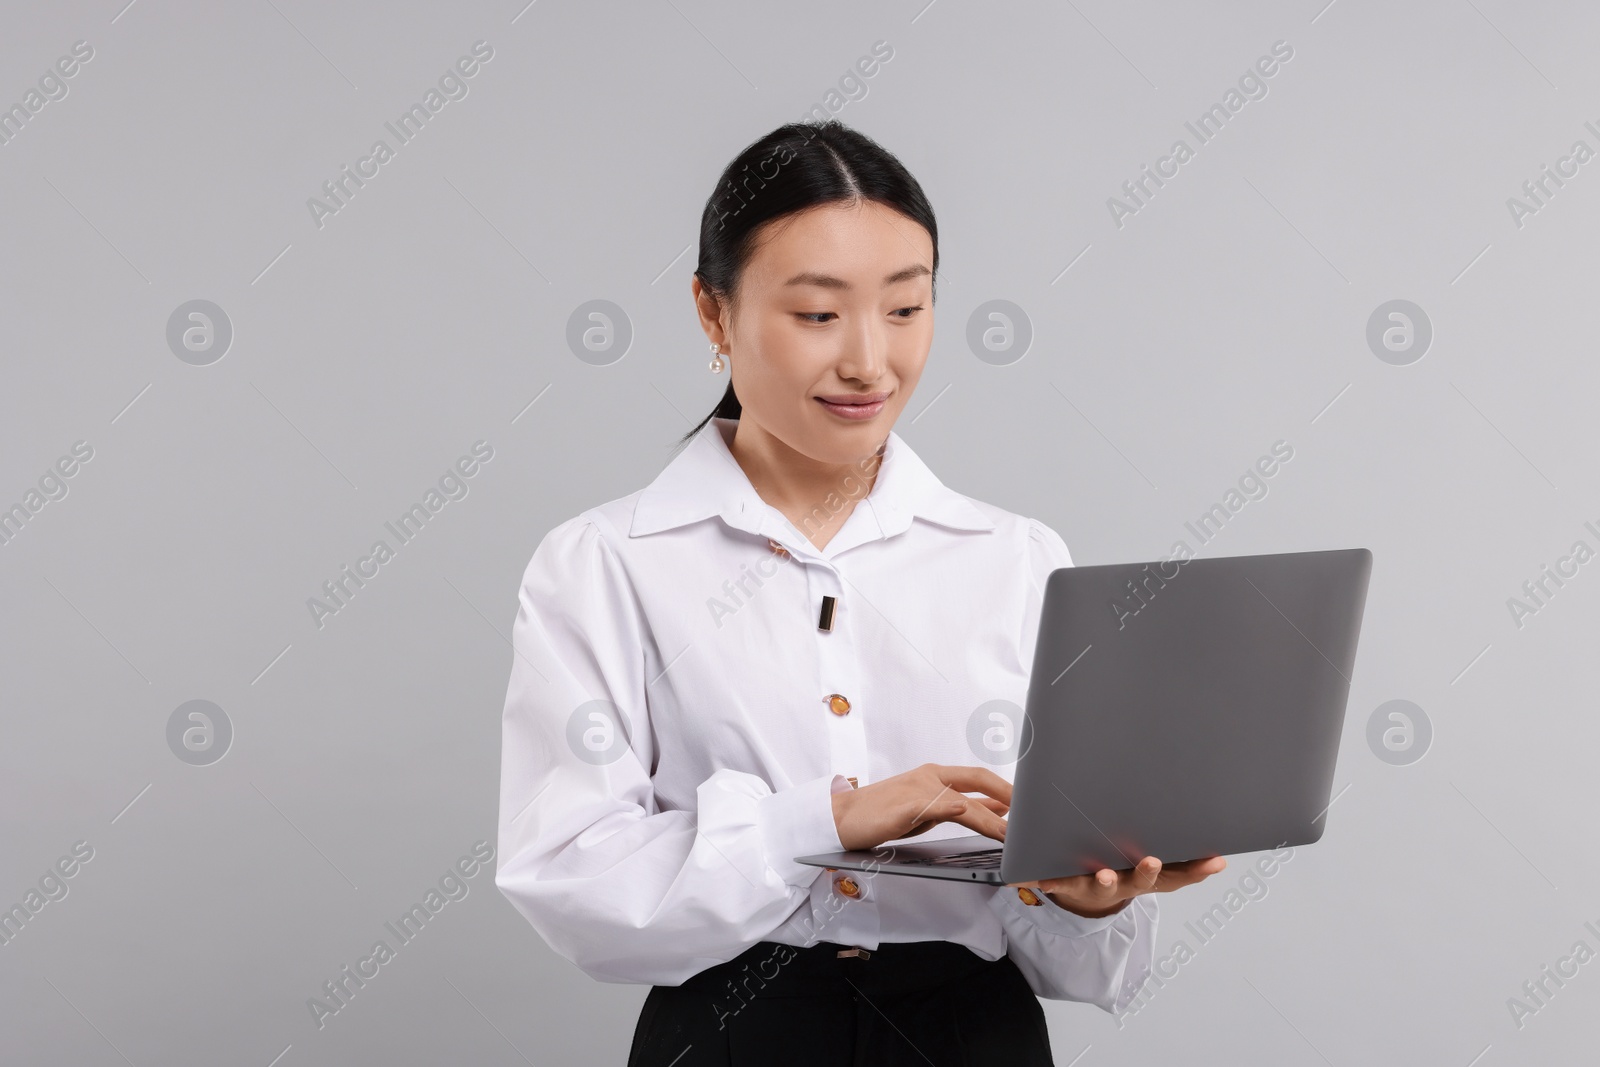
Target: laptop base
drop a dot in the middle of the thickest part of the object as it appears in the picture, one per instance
(968, 858)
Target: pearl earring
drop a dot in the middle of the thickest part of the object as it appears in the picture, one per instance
(716, 360)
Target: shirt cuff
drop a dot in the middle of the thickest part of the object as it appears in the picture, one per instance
(798, 821)
(1052, 918)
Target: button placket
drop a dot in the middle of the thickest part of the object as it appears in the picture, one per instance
(840, 700)
(841, 703)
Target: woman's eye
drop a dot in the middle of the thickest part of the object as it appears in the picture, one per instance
(822, 317)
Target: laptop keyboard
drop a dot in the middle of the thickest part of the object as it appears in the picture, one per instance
(987, 859)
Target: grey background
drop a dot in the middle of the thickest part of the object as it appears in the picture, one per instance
(369, 354)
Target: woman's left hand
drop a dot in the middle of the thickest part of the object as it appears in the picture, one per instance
(1106, 891)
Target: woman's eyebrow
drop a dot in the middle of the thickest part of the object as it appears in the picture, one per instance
(828, 281)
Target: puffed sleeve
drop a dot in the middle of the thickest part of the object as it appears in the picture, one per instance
(1063, 955)
(626, 891)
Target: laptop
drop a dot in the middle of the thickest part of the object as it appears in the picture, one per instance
(1175, 709)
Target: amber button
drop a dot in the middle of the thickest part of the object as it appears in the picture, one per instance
(838, 704)
(777, 549)
(848, 887)
(1028, 896)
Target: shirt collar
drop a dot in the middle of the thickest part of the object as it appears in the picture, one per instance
(704, 480)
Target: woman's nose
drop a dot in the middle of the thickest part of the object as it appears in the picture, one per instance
(865, 357)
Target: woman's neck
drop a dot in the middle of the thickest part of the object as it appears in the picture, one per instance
(816, 497)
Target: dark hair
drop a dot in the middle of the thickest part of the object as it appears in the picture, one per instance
(797, 166)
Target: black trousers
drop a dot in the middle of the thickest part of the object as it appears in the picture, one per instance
(921, 1002)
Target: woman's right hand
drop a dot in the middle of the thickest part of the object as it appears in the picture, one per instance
(916, 800)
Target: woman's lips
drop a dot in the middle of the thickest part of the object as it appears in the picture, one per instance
(855, 411)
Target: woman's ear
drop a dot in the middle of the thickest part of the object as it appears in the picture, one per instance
(710, 311)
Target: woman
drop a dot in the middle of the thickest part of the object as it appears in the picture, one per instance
(777, 649)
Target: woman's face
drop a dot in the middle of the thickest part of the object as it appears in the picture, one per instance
(835, 308)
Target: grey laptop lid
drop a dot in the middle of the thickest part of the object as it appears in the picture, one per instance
(1184, 710)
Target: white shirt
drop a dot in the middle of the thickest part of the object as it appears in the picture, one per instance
(669, 747)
